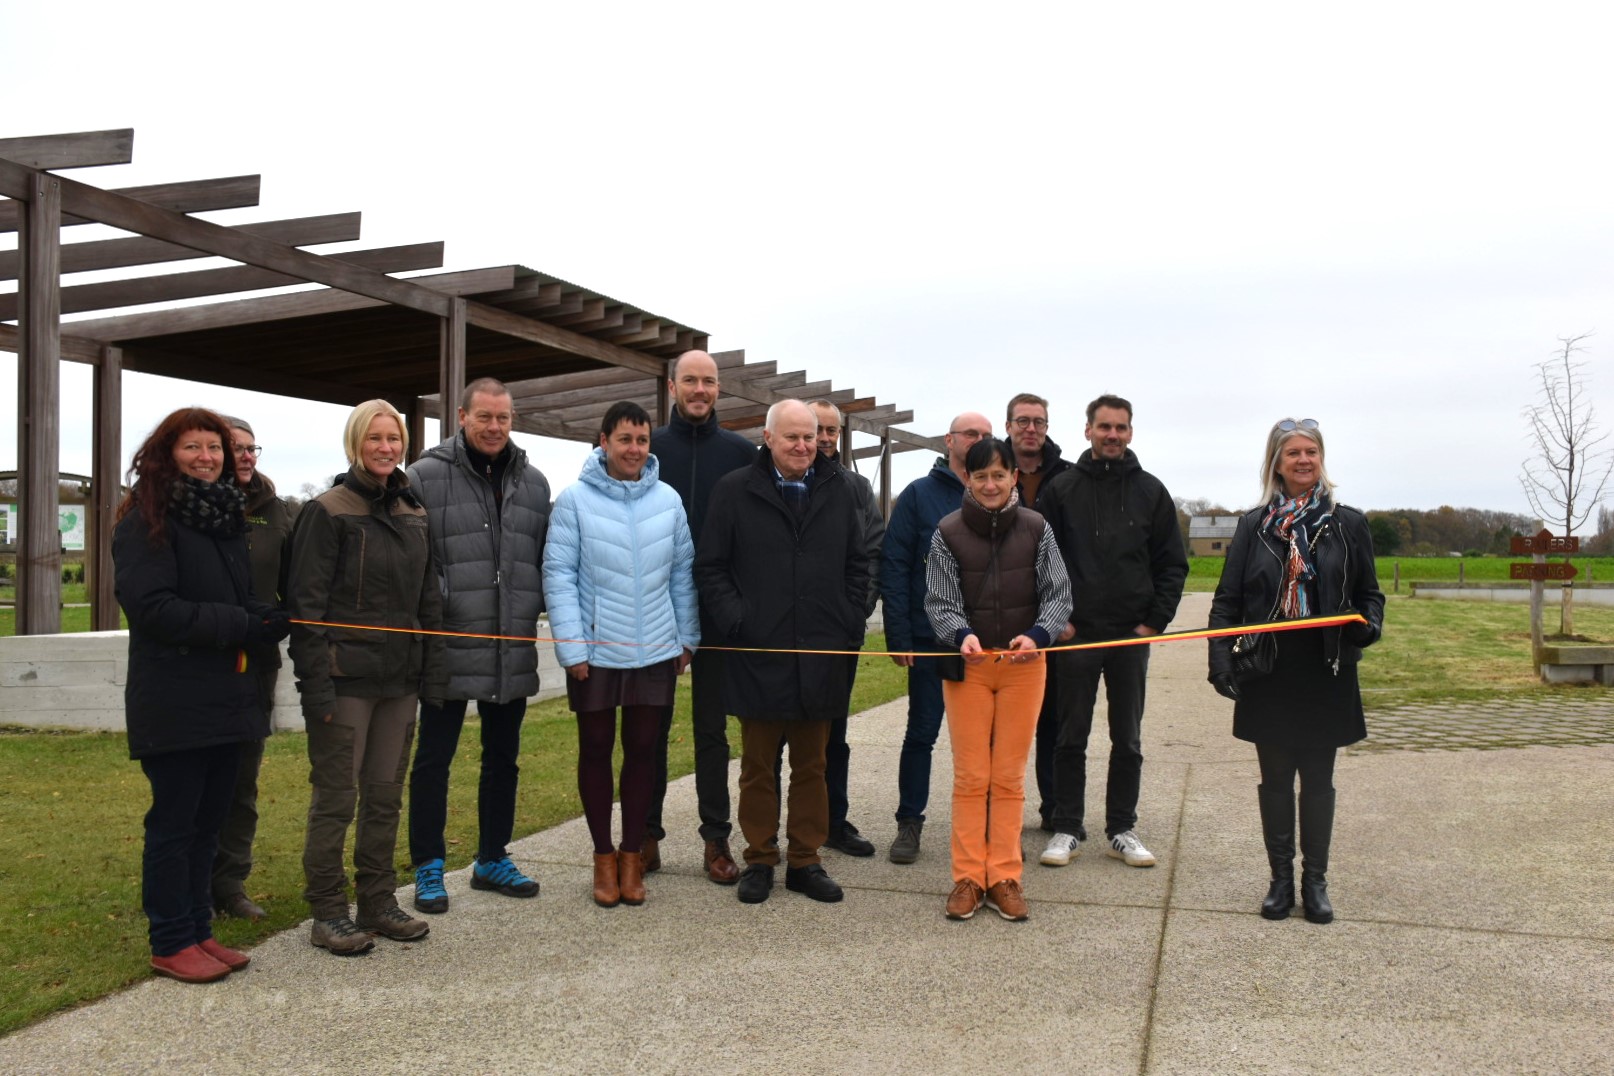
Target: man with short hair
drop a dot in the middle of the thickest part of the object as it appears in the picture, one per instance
(488, 511)
(843, 835)
(694, 451)
(903, 556)
(1039, 461)
(269, 526)
(783, 572)
(1116, 526)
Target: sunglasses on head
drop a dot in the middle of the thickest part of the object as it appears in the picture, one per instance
(1289, 425)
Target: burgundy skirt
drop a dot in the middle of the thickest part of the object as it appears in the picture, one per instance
(607, 689)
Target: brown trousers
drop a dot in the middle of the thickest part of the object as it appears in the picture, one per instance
(807, 824)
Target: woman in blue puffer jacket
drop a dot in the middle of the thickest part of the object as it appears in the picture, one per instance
(620, 592)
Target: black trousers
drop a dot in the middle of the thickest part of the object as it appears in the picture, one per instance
(439, 737)
(711, 735)
(1125, 672)
(190, 793)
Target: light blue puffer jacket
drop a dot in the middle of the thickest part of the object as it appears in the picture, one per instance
(617, 567)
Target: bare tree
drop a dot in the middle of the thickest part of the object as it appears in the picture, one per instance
(1569, 466)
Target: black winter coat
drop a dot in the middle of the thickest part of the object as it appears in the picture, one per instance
(1116, 526)
(188, 601)
(693, 458)
(767, 579)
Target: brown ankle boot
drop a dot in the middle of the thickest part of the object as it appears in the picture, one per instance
(630, 876)
(606, 892)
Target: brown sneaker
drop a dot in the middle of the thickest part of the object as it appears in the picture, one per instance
(392, 922)
(720, 866)
(651, 853)
(963, 901)
(1005, 899)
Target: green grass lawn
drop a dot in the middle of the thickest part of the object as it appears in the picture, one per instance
(1203, 572)
(71, 806)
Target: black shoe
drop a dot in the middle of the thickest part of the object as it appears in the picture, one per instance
(814, 882)
(1280, 898)
(849, 841)
(1314, 898)
(755, 882)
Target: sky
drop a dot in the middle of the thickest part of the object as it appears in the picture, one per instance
(1379, 216)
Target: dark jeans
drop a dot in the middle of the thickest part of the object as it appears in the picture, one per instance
(233, 861)
(190, 793)
(711, 752)
(925, 710)
(439, 735)
(1125, 670)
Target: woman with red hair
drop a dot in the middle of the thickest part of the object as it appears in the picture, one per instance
(196, 637)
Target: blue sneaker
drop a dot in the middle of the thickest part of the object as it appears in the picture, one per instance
(430, 896)
(502, 876)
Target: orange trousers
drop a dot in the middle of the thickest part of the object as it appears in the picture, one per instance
(991, 721)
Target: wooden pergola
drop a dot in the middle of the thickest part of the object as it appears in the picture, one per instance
(567, 352)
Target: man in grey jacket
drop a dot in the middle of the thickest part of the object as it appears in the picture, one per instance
(488, 509)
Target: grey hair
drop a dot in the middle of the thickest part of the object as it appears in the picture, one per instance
(238, 424)
(840, 419)
(771, 424)
(1270, 482)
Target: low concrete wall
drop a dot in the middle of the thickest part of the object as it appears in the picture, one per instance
(1553, 594)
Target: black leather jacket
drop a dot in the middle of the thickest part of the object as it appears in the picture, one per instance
(1346, 581)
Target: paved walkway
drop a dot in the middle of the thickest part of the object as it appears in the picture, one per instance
(1475, 934)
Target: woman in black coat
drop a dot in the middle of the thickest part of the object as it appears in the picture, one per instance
(1299, 554)
(196, 638)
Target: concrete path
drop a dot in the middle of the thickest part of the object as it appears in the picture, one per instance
(1475, 934)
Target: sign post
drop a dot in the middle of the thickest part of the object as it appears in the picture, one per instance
(1537, 570)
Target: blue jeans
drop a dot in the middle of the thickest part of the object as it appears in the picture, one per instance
(925, 711)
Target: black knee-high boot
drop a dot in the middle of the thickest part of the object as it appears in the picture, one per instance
(1278, 827)
(1316, 831)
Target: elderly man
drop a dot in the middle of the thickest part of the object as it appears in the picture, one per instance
(907, 629)
(488, 510)
(269, 524)
(694, 451)
(782, 566)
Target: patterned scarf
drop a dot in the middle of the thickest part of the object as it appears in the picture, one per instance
(217, 508)
(1297, 522)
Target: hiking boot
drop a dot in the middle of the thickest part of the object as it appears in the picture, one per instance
(430, 895)
(848, 841)
(905, 849)
(393, 922)
(501, 876)
(238, 906)
(1125, 845)
(1062, 848)
(964, 900)
(1005, 899)
(191, 964)
(340, 937)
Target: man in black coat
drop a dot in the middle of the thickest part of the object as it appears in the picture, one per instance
(1116, 526)
(694, 451)
(782, 566)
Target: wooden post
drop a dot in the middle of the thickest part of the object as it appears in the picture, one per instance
(39, 288)
(1397, 588)
(1460, 566)
(885, 472)
(415, 419)
(663, 396)
(451, 366)
(1537, 593)
(105, 487)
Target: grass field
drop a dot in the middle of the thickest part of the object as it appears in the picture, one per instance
(71, 806)
(1203, 572)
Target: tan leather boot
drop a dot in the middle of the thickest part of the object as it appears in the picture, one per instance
(630, 877)
(606, 892)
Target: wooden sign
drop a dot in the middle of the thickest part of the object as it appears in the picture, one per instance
(1542, 542)
(1542, 571)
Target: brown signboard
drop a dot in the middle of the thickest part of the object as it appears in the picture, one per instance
(1542, 571)
(1542, 542)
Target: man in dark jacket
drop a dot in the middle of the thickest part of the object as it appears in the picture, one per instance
(269, 525)
(1116, 526)
(694, 451)
(843, 835)
(782, 567)
(1039, 462)
(489, 514)
(903, 556)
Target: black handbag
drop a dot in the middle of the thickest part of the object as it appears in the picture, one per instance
(1254, 656)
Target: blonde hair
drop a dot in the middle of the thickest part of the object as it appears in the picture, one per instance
(1270, 482)
(358, 424)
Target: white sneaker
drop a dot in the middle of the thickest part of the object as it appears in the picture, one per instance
(1062, 848)
(1127, 846)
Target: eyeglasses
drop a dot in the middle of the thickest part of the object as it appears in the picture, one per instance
(973, 435)
(1289, 425)
(252, 450)
(1026, 422)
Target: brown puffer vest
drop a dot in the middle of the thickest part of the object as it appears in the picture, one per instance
(997, 568)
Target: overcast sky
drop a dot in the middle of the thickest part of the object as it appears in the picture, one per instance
(1377, 215)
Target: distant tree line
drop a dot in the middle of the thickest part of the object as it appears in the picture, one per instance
(1435, 532)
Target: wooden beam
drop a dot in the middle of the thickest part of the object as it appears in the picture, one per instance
(193, 196)
(451, 365)
(73, 348)
(39, 539)
(105, 487)
(84, 149)
(274, 307)
(146, 359)
(167, 287)
(539, 332)
(119, 253)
